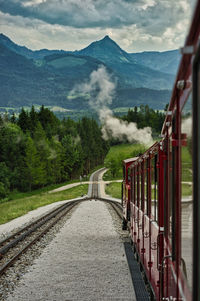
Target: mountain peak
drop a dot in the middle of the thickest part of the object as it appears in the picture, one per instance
(106, 50)
(107, 38)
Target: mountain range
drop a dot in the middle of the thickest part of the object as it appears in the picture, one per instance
(47, 76)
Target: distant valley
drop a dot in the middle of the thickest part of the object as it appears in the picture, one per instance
(46, 77)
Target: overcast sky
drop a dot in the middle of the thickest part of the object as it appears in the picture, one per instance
(136, 25)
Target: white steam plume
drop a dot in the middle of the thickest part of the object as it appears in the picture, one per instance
(101, 89)
(186, 126)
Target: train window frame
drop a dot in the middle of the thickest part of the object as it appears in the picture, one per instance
(173, 192)
(149, 187)
(146, 186)
(138, 185)
(196, 175)
(135, 184)
(142, 186)
(155, 188)
(166, 188)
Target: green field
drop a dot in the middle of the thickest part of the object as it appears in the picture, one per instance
(20, 206)
(186, 162)
(19, 203)
(116, 154)
(114, 190)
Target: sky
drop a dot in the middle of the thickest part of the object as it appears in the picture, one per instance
(136, 25)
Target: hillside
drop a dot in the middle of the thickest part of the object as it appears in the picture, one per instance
(46, 77)
(136, 70)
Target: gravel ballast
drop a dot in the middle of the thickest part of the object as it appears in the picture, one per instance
(85, 261)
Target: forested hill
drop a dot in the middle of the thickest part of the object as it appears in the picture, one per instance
(38, 149)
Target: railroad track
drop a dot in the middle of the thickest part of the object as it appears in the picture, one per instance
(95, 194)
(12, 247)
(18, 243)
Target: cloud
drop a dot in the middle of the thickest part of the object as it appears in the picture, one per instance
(148, 14)
(73, 24)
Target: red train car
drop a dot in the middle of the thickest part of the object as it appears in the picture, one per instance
(162, 188)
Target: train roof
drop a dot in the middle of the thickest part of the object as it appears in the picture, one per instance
(130, 160)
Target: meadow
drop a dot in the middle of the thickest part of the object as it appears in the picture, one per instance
(118, 153)
(22, 205)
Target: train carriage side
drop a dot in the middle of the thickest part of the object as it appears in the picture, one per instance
(146, 212)
(180, 264)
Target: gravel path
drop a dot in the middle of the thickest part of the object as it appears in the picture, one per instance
(85, 261)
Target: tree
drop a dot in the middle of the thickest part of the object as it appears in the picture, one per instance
(24, 121)
(34, 171)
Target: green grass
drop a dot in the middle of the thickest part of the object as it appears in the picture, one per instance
(186, 189)
(125, 150)
(114, 190)
(186, 161)
(116, 155)
(20, 206)
(17, 195)
(18, 203)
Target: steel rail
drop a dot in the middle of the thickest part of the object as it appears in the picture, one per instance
(10, 262)
(20, 235)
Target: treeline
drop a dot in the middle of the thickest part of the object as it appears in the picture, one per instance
(145, 116)
(38, 149)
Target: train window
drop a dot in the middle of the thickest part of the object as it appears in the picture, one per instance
(154, 191)
(145, 185)
(138, 185)
(172, 192)
(186, 191)
(132, 184)
(196, 174)
(135, 188)
(166, 199)
(148, 177)
(142, 186)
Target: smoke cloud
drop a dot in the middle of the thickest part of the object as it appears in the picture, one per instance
(101, 88)
(186, 126)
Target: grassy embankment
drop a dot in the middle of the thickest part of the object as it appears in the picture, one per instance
(128, 151)
(21, 205)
